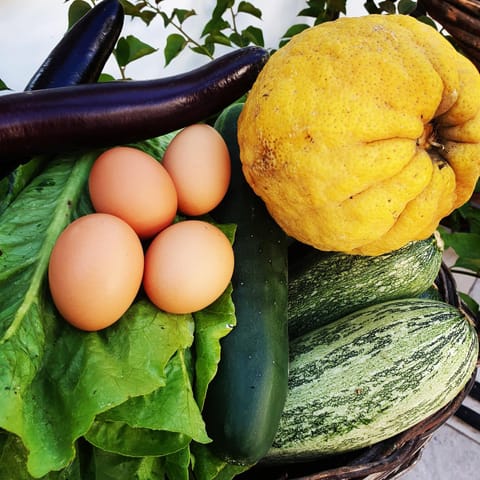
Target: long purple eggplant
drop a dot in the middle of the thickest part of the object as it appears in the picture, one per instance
(105, 114)
(82, 52)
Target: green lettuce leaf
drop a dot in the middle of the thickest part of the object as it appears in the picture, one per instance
(145, 425)
(207, 466)
(28, 230)
(109, 466)
(157, 424)
(15, 182)
(211, 325)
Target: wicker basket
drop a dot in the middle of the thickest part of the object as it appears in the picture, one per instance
(461, 19)
(387, 459)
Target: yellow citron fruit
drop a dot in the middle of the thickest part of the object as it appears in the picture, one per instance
(361, 134)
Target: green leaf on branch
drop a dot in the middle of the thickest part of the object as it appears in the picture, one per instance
(122, 52)
(292, 31)
(471, 216)
(250, 35)
(106, 77)
(181, 15)
(131, 9)
(467, 247)
(131, 48)
(339, 6)
(427, 21)
(166, 19)
(372, 8)
(139, 10)
(77, 9)
(387, 6)
(175, 44)
(237, 39)
(322, 10)
(147, 16)
(406, 7)
(208, 49)
(215, 25)
(221, 7)
(253, 35)
(247, 7)
(218, 38)
(464, 219)
(470, 302)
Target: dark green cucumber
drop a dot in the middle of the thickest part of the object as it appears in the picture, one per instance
(373, 374)
(324, 286)
(245, 399)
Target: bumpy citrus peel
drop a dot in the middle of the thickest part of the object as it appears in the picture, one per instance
(361, 134)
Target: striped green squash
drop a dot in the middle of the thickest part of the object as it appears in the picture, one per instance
(371, 375)
(325, 286)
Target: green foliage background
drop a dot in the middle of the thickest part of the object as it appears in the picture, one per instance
(223, 28)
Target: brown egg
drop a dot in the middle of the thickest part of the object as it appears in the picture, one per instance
(135, 187)
(198, 161)
(95, 270)
(187, 266)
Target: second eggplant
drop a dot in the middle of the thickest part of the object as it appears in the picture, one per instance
(81, 54)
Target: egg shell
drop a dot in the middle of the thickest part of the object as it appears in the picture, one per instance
(95, 270)
(198, 161)
(187, 266)
(134, 186)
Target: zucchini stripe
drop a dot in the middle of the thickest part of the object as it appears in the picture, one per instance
(372, 375)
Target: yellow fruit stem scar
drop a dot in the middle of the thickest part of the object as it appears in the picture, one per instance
(429, 140)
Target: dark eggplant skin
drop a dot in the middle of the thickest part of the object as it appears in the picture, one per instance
(100, 115)
(82, 52)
